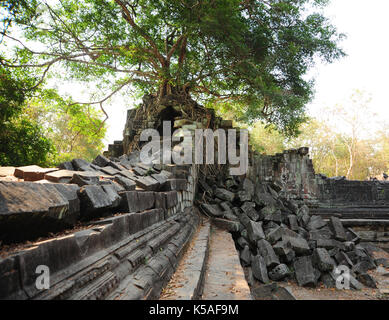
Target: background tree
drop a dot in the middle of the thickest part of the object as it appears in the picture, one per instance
(22, 140)
(77, 131)
(348, 140)
(252, 53)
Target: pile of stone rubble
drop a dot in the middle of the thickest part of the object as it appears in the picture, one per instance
(279, 240)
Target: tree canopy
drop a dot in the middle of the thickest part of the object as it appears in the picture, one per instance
(253, 53)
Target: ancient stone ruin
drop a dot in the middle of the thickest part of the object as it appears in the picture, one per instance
(117, 228)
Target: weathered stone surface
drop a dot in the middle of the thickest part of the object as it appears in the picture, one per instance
(337, 227)
(324, 233)
(64, 176)
(315, 223)
(293, 222)
(147, 183)
(258, 266)
(284, 251)
(255, 231)
(7, 171)
(81, 165)
(224, 224)
(224, 194)
(28, 210)
(70, 193)
(112, 195)
(94, 202)
(84, 180)
(127, 184)
(32, 173)
(299, 245)
(244, 196)
(328, 280)
(330, 244)
(67, 165)
(362, 267)
(266, 251)
(171, 199)
(249, 209)
(274, 235)
(322, 260)
(101, 161)
(279, 272)
(109, 170)
(343, 259)
(139, 171)
(176, 185)
(367, 280)
(212, 209)
(305, 274)
(138, 201)
(245, 256)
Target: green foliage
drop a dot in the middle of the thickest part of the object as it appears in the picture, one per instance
(22, 141)
(342, 143)
(250, 53)
(76, 130)
(266, 139)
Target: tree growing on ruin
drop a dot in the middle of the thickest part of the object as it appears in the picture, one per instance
(253, 53)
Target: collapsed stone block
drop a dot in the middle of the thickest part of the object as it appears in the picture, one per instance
(32, 173)
(94, 202)
(29, 210)
(258, 266)
(279, 272)
(138, 201)
(224, 194)
(126, 183)
(267, 252)
(304, 271)
(322, 260)
(337, 227)
(299, 245)
(147, 183)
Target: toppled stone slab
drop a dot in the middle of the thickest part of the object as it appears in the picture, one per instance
(267, 252)
(94, 202)
(176, 185)
(279, 272)
(127, 184)
(7, 171)
(212, 209)
(29, 210)
(32, 173)
(304, 272)
(147, 183)
(299, 245)
(224, 194)
(101, 161)
(138, 201)
(258, 266)
(81, 180)
(337, 227)
(64, 176)
(323, 260)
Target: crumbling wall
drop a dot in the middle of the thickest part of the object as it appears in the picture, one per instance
(292, 171)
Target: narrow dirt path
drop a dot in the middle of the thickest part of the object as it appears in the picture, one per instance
(224, 279)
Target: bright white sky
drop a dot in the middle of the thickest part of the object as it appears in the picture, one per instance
(366, 67)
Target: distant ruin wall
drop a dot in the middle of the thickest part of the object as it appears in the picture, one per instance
(293, 172)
